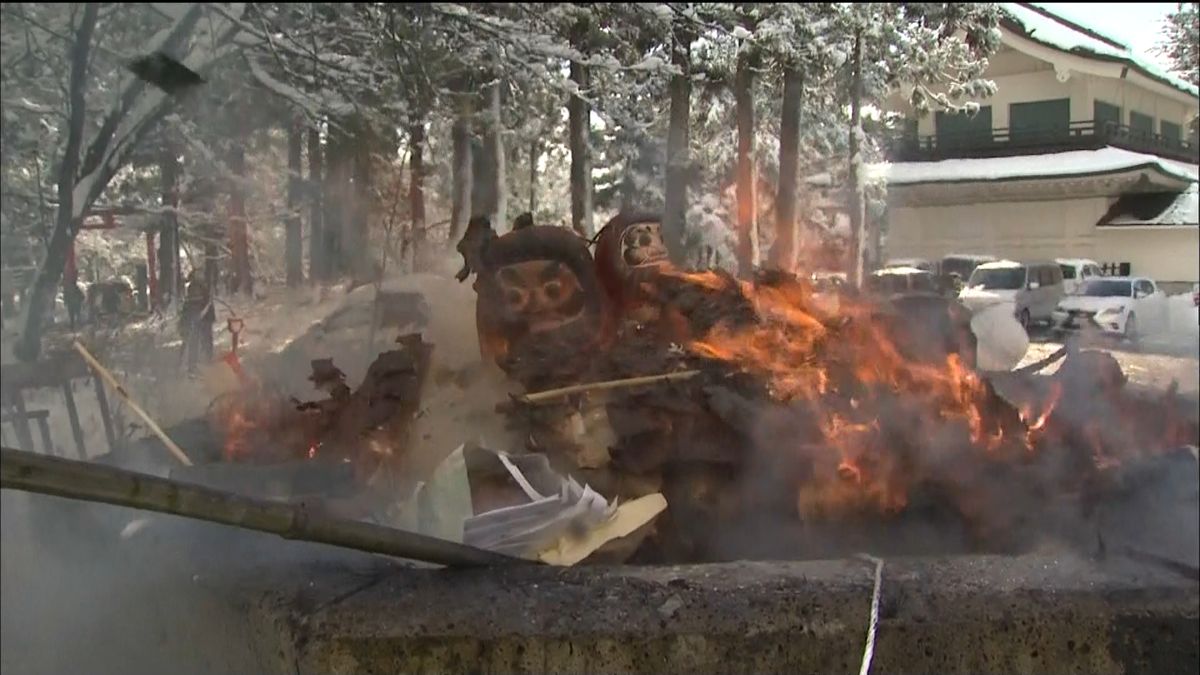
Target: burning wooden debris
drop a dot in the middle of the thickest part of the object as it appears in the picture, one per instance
(870, 412)
(754, 413)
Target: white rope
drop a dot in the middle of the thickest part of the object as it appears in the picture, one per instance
(869, 650)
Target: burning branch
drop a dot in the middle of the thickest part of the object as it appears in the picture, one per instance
(551, 394)
(97, 483)
(120, 390)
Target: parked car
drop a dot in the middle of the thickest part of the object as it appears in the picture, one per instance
(1125, 306)
(826, 287)
(956, 268)
(1075, 271)
(918, 263)
(891, 281)
(963, 264)
(1034, 288)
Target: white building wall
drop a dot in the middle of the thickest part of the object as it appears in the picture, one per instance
(1042, 230)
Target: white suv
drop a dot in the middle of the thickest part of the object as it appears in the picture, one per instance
(1075, 271)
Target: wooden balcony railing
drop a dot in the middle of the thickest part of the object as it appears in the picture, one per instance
(1007, 142)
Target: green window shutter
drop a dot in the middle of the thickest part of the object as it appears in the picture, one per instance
(1040, 120)
(1141, 125)
(1171, 133)
(961, 130)
(1106, 115)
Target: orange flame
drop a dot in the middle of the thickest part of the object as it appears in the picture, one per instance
(846, 368)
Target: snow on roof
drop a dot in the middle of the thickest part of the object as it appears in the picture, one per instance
(1043, 26)
(1049, 165)
(900, 270)
(1074, 261)
(1181, 208)
(1000, 264)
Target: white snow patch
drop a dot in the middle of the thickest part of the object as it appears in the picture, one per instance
(1071, 163)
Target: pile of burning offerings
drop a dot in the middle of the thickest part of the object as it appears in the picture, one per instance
(796, 426)
(802, 415)
(366, 428)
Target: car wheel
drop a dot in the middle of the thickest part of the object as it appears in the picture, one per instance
(1023, 317)
(1131, 329)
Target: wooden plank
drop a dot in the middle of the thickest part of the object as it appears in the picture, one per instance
(44, 427)
(73, 416)
(105, 415)
(98, 483)
(20, 421)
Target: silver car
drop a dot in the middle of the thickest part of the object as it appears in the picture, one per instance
(1034, 289)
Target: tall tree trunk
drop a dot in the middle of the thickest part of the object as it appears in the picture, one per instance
(497, 193)
(66, 224)
(337, 182)
(416, 192)
(747, 221)
(675, 198)
(294, 240)
(535, 154)
(579, 115)
(783, 252)
(462, 171)
(857, 214)
(316, 234)
(239, 240)
(168, 234)
(357, 241)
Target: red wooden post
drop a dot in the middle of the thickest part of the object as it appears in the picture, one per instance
(70, 272)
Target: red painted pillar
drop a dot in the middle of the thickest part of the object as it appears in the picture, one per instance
(152, 271)
(70, 272)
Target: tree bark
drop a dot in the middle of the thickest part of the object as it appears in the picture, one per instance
(857, 214)
(674, 223)
(783, 252)
(316, 233)
(535, 154)
(66, 225)
(579, 115)
(496, 195)
(357, 241)
(747, 222)
(294, 233)
(462, 171)
(416, 191)
(239, 240)
(336, 193)
(168, 234)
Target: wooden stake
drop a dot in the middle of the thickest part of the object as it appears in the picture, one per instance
(109, 485)
(551, 394)
(116, 386)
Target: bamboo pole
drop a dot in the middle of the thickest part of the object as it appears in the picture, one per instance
(116, 386)
(73, 479)
(551, 394)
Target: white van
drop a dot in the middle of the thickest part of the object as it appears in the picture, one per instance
(1033, 288)
(1075, 271)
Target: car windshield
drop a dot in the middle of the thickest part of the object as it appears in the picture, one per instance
(1068, 271)
(1107, 288)
(998, 278)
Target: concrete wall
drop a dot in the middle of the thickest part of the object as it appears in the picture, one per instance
(1043, 229)
(1165, 254)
